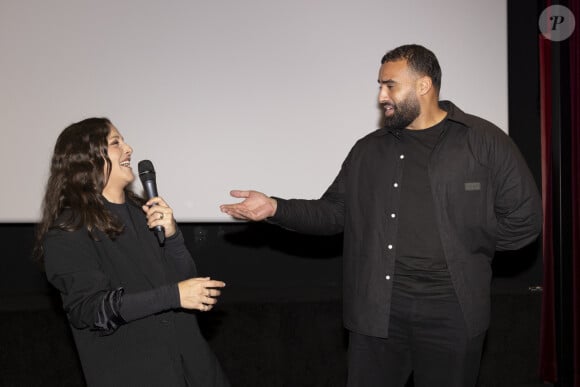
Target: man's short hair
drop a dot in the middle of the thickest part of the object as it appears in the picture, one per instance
(419, 59)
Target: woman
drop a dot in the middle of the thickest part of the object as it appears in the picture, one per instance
(127, 298)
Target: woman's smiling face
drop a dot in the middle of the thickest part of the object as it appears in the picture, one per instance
(119, 152)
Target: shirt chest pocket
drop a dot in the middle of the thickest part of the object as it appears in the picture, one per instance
(467, 198)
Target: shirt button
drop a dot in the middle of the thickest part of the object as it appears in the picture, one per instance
(395, 185)
(390, 247)
(388, 277)
(402, 157)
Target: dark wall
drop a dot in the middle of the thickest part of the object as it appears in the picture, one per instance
(255, 260)
(18, 273)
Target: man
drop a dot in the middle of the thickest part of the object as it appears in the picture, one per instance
(424, 202)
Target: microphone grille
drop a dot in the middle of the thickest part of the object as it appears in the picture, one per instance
(146, 166)
(146, 170)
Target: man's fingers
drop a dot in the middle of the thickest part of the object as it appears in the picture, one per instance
(214, 284)
(239, 193)
(235, 213)
(213, 293)
(205, 307)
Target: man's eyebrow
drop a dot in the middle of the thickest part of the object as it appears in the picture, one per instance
(387, 82)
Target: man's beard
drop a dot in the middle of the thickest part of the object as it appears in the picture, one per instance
(404, 113)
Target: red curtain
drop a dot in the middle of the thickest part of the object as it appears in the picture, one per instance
(548, 369)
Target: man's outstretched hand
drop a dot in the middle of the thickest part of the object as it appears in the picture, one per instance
(256, 206)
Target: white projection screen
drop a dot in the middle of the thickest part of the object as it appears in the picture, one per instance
(224, 94)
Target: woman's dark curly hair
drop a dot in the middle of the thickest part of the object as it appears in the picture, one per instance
(73, 196)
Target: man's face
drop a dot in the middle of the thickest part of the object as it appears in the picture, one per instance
(398, 95)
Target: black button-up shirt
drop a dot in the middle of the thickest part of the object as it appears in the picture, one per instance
(485, 199)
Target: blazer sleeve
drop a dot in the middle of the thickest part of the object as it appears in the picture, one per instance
(72, 268)
(177, 253)
(89, 300)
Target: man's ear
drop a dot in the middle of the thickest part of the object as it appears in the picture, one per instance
(424, 85)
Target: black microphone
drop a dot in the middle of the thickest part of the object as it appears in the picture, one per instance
(147, 176)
